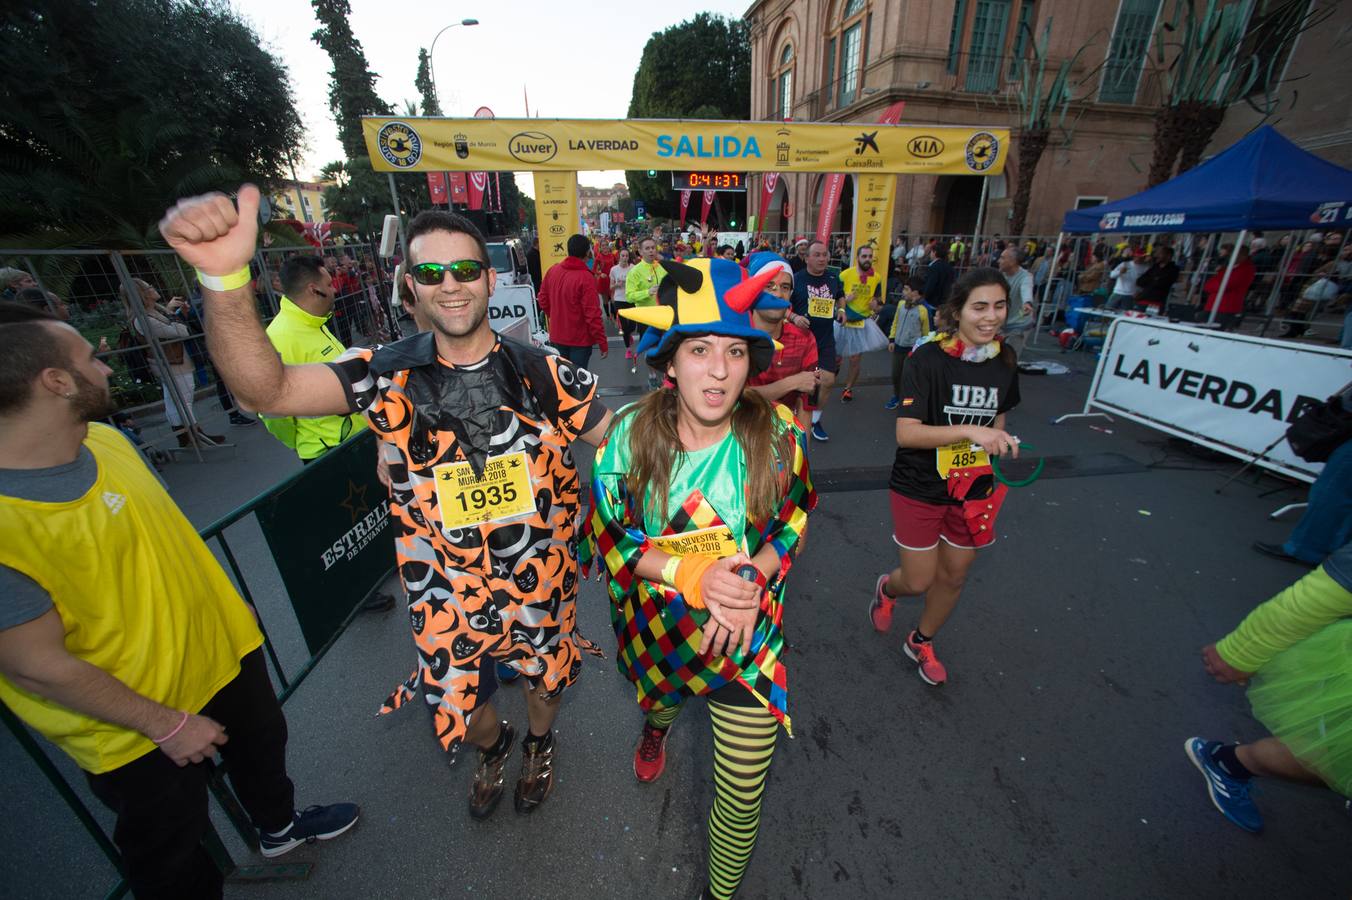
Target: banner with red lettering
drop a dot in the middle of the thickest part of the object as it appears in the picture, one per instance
(832, 185)
(768, 183)
(708, 205)
(459, 188)
(478, 183)
(436, 187)
(685, 205)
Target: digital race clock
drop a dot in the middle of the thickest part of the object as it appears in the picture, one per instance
(708, 181)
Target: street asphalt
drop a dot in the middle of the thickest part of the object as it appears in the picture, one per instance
(1050, 765)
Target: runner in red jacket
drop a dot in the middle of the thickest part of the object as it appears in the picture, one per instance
(568, 297)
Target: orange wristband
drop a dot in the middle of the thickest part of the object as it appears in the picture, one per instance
(688, 576)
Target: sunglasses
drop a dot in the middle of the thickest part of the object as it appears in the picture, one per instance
(462, 270)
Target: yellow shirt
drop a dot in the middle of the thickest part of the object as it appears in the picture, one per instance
(139, 593)
(859, 294)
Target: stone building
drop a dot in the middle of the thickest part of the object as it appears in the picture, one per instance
(954, 62)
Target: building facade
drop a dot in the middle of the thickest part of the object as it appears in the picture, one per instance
(592, 201)
(300, 200)
(955, 62)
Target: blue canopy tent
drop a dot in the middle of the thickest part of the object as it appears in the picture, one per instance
(1263, 181)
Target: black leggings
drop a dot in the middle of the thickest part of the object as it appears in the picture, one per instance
(627, 326)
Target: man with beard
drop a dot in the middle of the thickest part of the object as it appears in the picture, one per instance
(121, 638)
(478, 432)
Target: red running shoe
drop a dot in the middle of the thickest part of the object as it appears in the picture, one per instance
(930, 670)
(651, 756)
(880, 608)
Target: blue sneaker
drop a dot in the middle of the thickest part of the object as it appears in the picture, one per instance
(316, 823)
(892, 403)
(506, 674)
(819, 433)
(1228, 795)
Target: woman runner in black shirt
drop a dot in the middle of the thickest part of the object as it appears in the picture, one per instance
(956, 389)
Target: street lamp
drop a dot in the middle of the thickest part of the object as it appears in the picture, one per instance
(431, 64)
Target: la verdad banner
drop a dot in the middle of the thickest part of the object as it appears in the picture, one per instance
(1232, 393)
(414, 144)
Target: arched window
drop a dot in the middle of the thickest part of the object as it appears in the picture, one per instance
(782, 103)
(845, 52)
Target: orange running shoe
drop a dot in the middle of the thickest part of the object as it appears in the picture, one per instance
(930, 670)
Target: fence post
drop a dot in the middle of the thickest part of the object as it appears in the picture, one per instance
(138, 312)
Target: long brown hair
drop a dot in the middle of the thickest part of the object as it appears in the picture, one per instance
(654, 443)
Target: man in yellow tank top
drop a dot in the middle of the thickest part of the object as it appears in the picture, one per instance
(121, 638)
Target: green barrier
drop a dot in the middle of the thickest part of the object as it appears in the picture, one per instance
(330, 535)
(328, 528)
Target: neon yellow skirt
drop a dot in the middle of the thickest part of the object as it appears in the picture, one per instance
(1304, 697)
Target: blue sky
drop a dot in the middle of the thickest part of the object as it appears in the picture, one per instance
(571, 60)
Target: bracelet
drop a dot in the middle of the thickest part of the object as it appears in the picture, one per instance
(225, 282)
(669, 571)
(177, 728)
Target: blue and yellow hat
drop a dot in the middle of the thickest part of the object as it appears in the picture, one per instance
(703, 296)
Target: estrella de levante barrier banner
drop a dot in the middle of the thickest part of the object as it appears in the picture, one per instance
(329, 532)
(414, 144)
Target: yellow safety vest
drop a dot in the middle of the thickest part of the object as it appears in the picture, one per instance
(139, 593)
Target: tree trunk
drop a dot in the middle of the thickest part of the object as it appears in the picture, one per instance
(1168, 144)
(1031, 144)
(1200, 122)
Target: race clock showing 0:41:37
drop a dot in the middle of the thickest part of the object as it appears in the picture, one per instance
(708, 181)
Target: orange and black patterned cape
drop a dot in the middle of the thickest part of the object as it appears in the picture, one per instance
(500, 592)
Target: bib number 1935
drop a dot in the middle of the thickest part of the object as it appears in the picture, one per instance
(503, 492)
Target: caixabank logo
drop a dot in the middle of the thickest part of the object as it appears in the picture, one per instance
(983, 149)
(399, 144)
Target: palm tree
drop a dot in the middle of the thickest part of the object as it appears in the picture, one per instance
(1040, 110)
(1211, 58)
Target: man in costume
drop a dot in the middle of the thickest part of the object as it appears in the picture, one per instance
(697, 535)
(477, 431)
(792, 374)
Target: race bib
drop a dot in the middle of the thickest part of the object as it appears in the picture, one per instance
(716, 541)
(962, 455)
(504, 491)
(821, 307)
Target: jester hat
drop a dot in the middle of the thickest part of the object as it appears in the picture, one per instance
(768, 261)
(703, 296)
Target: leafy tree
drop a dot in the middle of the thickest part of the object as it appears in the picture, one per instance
(699, 69)
(114, 111)
(361, 195)
(352, 90)
(423, 82)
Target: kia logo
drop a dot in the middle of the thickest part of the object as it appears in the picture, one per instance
(925, 146)
(532, 147)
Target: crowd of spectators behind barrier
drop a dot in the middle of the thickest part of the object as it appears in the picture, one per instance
(1300, 283)
(156, 347)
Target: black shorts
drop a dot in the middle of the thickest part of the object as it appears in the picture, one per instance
(827, 359)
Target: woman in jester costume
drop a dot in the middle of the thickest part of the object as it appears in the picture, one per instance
(700, 498)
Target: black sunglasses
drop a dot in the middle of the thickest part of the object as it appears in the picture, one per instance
(462, 270)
